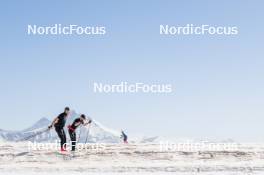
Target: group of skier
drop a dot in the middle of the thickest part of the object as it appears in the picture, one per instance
(59, 124)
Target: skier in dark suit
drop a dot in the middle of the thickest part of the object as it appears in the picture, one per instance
(124, 136)
(59, 123)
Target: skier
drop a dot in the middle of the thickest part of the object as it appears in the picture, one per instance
(71, 128)
(124, 136)
(59, 123)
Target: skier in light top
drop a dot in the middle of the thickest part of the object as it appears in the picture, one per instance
(71, 128)
(59, 123)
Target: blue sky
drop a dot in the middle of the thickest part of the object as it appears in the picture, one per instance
(218, 80)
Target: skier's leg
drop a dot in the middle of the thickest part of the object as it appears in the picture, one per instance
(73, 140)
(63, 139)
(58, 130)
(70, 133)
(125, 139)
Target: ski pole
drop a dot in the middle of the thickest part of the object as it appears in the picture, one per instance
(80, 133)
(87, 134)
(33, 135)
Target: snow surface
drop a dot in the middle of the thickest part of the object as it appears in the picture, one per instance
(128, 159)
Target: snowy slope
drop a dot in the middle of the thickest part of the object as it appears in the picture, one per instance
(134, 159)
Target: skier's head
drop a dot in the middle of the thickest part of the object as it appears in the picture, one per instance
(83, 117)
(67, 110)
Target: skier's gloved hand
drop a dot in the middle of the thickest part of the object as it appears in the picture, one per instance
(50, 126)
(87, 122)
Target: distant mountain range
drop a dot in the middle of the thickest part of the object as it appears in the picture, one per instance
(96, 132)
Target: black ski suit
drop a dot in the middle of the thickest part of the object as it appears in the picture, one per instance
(124, 136)
(59, 129)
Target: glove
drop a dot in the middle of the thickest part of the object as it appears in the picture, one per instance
(90, 121)
(50, 126)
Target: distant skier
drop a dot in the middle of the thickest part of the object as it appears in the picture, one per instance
(71, 128)
(59, 123)
(124, 136)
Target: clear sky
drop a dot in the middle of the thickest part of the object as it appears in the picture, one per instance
(218, 80)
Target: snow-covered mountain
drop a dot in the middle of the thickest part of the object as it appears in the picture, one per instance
(40, 124)
(95, 132)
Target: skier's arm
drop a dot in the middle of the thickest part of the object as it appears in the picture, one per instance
(53, 122)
